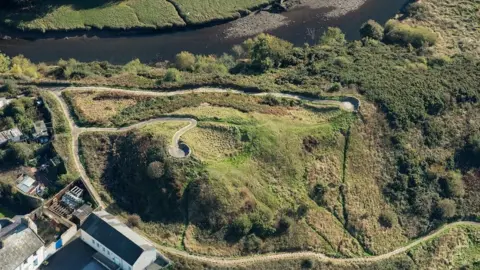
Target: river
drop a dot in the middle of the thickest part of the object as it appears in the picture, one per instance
(305, 26)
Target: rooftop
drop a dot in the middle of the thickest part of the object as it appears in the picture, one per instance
(40, 129)
(10, 134)
(26, 183)
(116, 236)
(19, 243)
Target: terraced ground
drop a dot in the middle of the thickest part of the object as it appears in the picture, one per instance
(129, 14)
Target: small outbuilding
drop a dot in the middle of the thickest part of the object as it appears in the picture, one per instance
(40, 132)
(81, 214)
(10, 135)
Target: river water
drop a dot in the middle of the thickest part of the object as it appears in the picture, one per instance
(305, 26)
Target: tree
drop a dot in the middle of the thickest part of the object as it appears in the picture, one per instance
(387, 219)
(21, 152)
(333, 36)
(446, 208)
(452, 184)
(155, 170)
(184, 61)
(241, 225)
(372, 29)
(10, 87)
(404, 34)
(4, 63)
(172, 75)
(267, 51)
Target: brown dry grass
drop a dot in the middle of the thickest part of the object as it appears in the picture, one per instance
(367, 165)
(457, 23)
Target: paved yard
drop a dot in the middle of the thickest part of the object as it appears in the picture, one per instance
(76, 255)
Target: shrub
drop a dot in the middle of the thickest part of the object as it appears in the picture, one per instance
(155, 170)
(372, 29)
(452, 184)
(417, 10)
(333, 36)
(252, 243)
(401, 33)
(209, 64)
(387, 219)
(133, 221)
(335, 87)
(267, 51)
(284, 223)
(10, 87)
(445, 209)
(23, 66)
(135, 67)
(308, 264)
(184, 61)
(4, 63)
(241, 225)
(172, 75)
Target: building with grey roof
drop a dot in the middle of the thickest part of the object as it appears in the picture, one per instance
(20, 246)
(26, 184)
(114, 240)
(11, 135)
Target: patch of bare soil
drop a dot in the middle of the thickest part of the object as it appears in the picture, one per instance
(337, 7)
(254, 24)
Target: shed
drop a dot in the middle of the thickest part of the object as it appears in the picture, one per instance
(81, 214)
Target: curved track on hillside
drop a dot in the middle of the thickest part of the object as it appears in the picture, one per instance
(230, 261)
(249, 260)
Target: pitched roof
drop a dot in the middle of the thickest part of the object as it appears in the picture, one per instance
(18, 244)
(116, 236)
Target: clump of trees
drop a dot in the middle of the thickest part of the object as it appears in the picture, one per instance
(372, 29)
(417, 36)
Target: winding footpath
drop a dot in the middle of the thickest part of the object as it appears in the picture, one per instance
(175, 151)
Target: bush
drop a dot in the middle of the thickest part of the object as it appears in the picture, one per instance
(155, 170)
(252, 243)
(209, 64)
(284, 223)
(308, 264)
(372, 29)
(401, 33)
(446, 208)
(333, 36)
(387, 219)
(184, 61)
(10, 87)
(135, 67)
(452, 184)
(4, 63)
(267, 51)
(23, 66)
(417, 10)
(241, 225)
(172, 75)
(133, 221)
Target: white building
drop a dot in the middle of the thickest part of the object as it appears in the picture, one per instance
(20, 246)
(114, 240)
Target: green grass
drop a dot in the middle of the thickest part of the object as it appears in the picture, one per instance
(128, 14)
(207, 10)
(254, 163)
(73, 15)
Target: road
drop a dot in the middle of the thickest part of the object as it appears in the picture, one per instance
(176, 152)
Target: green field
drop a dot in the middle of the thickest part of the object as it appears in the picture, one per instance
(73, 15)
(129, 14)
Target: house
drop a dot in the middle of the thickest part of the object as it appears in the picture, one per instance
(40, 132)
(20, 246)
(26, 184)
(4, 102)
(118, 243)
(11, 135)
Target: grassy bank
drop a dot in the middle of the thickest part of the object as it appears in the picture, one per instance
(131, 14)
(79, 15)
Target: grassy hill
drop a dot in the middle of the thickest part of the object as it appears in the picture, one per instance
(261, 177)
